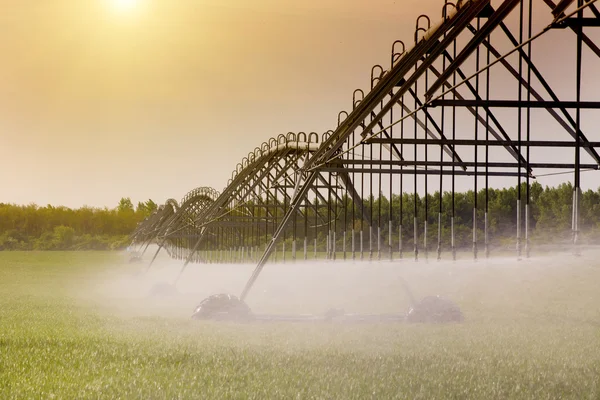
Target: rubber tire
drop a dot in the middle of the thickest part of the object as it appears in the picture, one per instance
(436, 310)
(222, 307)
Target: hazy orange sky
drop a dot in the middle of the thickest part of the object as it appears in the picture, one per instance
(97, 104)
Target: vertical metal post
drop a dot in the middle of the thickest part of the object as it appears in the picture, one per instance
(345, 205)
(344, 245)
(316, 222)
(305, 248)
(390, 235)
(333, 239)
(425, 234)
(475, 233)
(379, 242)
(391, 177)
(294, 250)
(528, 133)
(401, 194)
(415, 193)
(400, 252)
(518, 225)
(371, 197)
(577, 189)
(527, 251)
(439, 247)
(487, 154)
(476, 148)
(353, 246)
(519, 132)
(335, 215)
(371, 235)
(306, 224)
(285, 208)
(353, 210)
(362, 196)
(416, 236)
(295, 216)
(576, 203)
(426, 177)
(416, 130)
(452, 237)
(440, 193)
(361, 245)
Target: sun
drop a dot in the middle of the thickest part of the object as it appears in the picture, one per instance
(124, 5)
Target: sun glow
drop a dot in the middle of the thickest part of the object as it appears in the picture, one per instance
(124, 5)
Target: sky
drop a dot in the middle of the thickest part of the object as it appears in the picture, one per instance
(99, 102)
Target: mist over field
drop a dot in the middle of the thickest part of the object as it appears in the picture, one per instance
(357, 287)
(83, 325)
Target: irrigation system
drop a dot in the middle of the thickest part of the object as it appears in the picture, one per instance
(478, 95)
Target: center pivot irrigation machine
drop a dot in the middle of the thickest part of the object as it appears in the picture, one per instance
(463, 102)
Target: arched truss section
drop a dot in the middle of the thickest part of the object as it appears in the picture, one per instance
(175, 226)
(172, 204)
(241, 221)
(155, 223)
(178, 232)
(473, 96)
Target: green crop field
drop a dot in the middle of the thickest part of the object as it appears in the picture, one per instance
(80, 325)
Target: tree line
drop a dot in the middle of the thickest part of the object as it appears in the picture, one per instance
(31, 227)
(550, 218)
(550, 215)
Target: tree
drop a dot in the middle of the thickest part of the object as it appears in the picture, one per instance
(125, 205)
(146, 208)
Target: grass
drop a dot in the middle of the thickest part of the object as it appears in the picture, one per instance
(532, 331)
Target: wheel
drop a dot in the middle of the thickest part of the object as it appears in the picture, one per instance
(435, 309)
(222, 307)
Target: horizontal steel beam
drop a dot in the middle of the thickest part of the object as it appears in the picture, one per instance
(576, 22)
(490, 164)
(421, 172)
(516, 104)
(472, 142)
(314, 187)
(236, 224)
